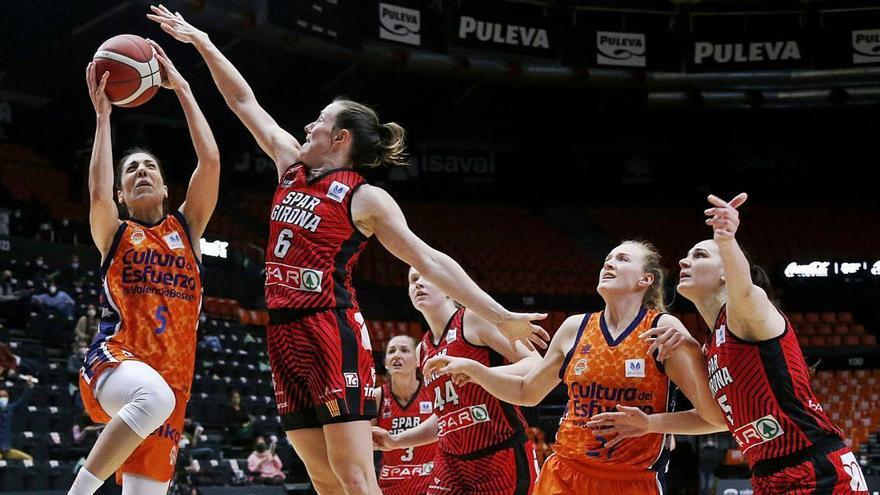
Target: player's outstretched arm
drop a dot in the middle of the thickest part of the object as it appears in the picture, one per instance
(375, 212)
(279, 144)
(686, 368)
(526, 390)
(630, 422)
(103, 212)
(422, 434)
(751, 315)
(201, 196)
(482, 332)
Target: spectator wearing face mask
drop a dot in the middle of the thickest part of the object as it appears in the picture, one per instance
(87, 326)
(7, 413)
(264, 463)
(55, 300)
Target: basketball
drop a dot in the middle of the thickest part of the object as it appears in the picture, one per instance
(134, 71)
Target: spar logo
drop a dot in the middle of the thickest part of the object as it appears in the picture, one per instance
(866, 46)
(625, 49)
(406, 471)
(762, 430)
(462, 418)
(294, 277)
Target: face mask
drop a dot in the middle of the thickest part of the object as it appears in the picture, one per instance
(261, 447)
(90, 313)
(38, 262)
(53, 290)
(3, 402)
(75, 266)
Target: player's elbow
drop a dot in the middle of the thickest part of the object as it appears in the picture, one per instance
(428, 262)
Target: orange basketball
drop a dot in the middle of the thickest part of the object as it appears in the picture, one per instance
(134, 71)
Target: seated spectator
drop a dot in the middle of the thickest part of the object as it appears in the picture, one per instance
(87, 326)
(239, 420)
(7, 413)
(55, 300)
(192, 437)
(85, 432)
(10, 299)
(72, 275)
(75, 361)
(38, 271)
(264, 463)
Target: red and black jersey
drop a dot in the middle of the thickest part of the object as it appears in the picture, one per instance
(415, 463)
(469, 418)
(764, 391)
(313, 242)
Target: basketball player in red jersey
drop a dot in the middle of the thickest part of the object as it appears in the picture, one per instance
(605, 365)
(322, 215)
(404, 403)
(757, 374)
(481, 441)
(137, 373)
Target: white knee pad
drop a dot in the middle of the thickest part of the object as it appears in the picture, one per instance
(133, 484)
(138, 395)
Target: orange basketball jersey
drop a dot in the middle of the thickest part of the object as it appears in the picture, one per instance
(151, 299)
(600, 373)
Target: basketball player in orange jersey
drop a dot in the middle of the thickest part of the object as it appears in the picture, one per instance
(137, 373)
(481, 443)
(757, 374)
(322, 215)
(605, 365)
(404, 404)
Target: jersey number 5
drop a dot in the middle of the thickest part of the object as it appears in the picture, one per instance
(162, 316)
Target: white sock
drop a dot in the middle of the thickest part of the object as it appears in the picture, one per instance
(85, 483)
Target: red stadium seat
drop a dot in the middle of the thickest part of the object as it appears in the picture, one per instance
(851, 340)
(845, 317)
(811, 317)
(869, 340)
(796, 318)
(818, 341)
(828, 317)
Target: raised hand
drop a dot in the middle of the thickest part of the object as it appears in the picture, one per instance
(627, 423)
(175, 25)
(171, 78)
(666, 338)
(96, 90)
(518, 327)
(724, 217)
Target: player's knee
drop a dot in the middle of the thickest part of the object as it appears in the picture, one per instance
(353, 480)
(157, 400)
(150, 405)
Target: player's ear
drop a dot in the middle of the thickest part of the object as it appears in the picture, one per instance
(119, 197)
(165, 188)
(647, 280)
(342, 136)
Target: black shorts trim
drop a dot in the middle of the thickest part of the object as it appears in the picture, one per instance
(518, 438)
(523, 471)
(312, 418)
(819, 449)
